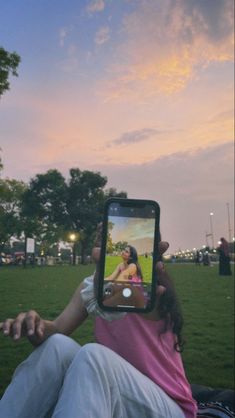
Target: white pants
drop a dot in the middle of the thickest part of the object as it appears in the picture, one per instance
(61, 379)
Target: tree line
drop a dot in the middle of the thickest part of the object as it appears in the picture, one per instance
(50, 208)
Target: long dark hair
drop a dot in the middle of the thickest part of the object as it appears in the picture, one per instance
(169, 310)
(134, 259)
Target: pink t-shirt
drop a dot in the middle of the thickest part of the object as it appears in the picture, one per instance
(153, 354)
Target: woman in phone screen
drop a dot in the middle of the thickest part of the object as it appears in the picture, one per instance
(129, 269)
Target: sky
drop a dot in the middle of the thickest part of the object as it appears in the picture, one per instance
(137, 232)
(139, 90)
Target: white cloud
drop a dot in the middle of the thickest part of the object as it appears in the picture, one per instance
(102, 35)
(63, 33)
(96, 6)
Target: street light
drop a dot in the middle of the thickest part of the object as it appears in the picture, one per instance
(72, 238)
(229, 224)
(212, 233)
(207, 235)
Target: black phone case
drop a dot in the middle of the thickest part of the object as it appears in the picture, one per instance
(132, 203)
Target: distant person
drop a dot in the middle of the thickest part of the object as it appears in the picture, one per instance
(206, 259)
(224, 258)
(198, 258)
(31, 260)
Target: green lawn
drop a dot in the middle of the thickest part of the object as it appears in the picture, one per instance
(207, 301)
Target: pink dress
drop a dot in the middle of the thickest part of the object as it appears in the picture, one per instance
(141, 343)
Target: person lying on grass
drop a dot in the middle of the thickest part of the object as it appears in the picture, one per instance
(134, 370)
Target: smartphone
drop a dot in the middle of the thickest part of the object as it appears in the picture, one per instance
(127, 276)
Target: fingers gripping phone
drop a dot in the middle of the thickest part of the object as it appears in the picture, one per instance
(129, 250)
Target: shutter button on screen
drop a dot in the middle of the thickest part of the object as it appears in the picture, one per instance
(126, 292)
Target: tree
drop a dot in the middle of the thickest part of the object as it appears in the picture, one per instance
(86, 198)
(109, 245)
(120, 246)
(11, 192)
(58, 209)
(112, 192)
(8, 65)
(1, 164)
(44, 207)
(85, 204)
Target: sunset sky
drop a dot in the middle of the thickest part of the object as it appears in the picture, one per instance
(137, 232)
(140, 90)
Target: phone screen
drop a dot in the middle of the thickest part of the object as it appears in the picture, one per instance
(131, 235)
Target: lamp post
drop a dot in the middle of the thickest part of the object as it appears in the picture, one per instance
(212, 233)
(72, 238)
(229, 224)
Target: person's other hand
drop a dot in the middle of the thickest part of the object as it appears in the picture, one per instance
(162, 247)
(26, 324)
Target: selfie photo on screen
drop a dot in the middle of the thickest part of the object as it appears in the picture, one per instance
(129, 248)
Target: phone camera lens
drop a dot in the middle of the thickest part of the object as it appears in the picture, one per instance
(108, 289)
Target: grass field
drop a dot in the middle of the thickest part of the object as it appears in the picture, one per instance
(207, 302)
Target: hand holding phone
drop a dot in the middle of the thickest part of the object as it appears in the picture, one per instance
(127, 276)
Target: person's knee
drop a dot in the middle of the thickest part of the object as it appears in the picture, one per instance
(97, 355)
(56, 341)
(94, 350)
(58, 349)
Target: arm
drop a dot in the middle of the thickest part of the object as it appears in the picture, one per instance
(37, 329)
(115, 274)
(129, 271)
(31, 325)
(73, 315)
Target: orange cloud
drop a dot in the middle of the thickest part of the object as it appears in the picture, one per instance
(166, 45)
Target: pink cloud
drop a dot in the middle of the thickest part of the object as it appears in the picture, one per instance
(166, 45)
